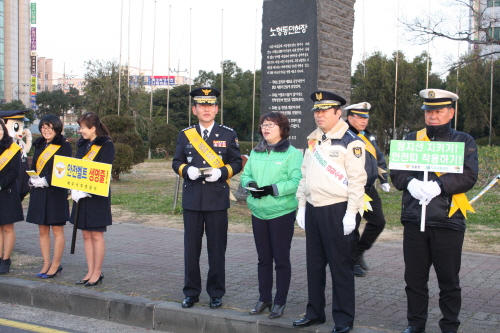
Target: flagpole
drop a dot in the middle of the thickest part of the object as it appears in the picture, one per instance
(222, 71)
(254, 75)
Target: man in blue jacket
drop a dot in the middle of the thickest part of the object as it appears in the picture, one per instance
(440, 245)
(206, 157)
(358, 116)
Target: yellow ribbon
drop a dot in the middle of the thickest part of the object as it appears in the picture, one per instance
(45, 157)
(8, 154)
(369, 146)
(458, 201)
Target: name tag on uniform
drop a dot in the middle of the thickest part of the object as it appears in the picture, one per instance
(220, 144)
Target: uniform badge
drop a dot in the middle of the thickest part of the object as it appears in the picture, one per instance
(190, 158)
(431, 94)
(216, 135)
(357, 152)
(237, 142)
(219, 144)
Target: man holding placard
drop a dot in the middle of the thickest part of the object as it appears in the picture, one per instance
(206, 157)
(442, 196)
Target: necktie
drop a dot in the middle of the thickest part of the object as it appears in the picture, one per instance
(205, 134)
(323, 138)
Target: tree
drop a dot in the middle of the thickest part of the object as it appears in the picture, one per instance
(474, 87)
(438, 25)
(52, 102)
(374, 82)
(123, 132)
(17, 104)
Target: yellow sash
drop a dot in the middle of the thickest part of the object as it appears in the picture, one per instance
(8, 154)
(45, 157)
(369, 146)
(458, 201)
(206, 151)
(92, 153)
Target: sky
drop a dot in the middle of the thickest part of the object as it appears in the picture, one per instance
(72, 32)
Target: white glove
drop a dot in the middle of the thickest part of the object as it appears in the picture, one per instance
(193, 173)
(39, 182)
(301, 217)
(386, 187)
(43, 182)
(77, 195)
(431, 190)
(214, 177)
(349, 222)
(415, 187)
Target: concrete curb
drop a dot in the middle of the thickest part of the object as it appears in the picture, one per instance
(143, 312)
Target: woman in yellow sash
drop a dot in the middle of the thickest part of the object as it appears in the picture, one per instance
(48, 204)
(94, 211)
(10, 202)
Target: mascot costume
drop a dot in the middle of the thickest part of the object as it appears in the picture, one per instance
(14, 120)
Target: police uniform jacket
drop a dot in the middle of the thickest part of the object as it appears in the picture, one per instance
(95, 212)
(10, 202)
(199, 194)
(347, 151)
(375, 167)
(48, 205)
(451, 183)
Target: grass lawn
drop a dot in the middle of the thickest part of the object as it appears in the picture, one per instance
(146, 196)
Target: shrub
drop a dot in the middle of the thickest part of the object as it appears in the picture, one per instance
(123, 160)
(495, 141)
(246, 147)
(163, 138)
(123, 132)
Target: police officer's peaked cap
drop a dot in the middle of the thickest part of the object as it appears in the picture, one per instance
(435, 99)
(205, 95)
(324, 100)
(14, 114)
(361, 109)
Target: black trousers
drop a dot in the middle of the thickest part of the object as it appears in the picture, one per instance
(214, 224)
(375, 223)
(273, 239)
(326, 244)
(442, 248)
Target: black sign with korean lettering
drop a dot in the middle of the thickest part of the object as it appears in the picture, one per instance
(33, 65)
(290, 63)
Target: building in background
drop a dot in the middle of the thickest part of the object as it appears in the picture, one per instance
(488, 12)
(15, 76)
(143, 77)
(44, 74)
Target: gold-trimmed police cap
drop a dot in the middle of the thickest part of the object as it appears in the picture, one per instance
(324, 100)
(205, 95)
(435, 99)
(361, 109)
(14, 114)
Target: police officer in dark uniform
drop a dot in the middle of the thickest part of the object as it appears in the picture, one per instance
(206, 157)
(358, 116)
(440, 245)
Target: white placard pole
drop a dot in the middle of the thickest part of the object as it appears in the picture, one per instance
(424, 205)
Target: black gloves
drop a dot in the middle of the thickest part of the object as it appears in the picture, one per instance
(265, 190)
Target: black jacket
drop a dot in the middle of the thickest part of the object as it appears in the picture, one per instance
(95, 212)
(451, 183)
(199, 194)
(374, 167)
(48, 205)
(10, 202)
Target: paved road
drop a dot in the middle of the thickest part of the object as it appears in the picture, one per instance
(148, 262)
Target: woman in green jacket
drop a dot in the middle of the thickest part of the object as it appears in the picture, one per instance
(272, 175)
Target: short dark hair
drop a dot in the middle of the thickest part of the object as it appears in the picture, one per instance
(53, 120)
(5, 130)
(279, 119)
(90, 119)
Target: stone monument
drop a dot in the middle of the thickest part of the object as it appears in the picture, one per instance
(306, 46)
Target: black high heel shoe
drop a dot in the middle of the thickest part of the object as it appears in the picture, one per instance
(82, 281)
(277, 311)
(99, 280)
(260, 307)
(50, 276)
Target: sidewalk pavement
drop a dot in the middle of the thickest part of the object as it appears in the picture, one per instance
(144, 274)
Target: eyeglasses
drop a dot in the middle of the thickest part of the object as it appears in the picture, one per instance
(268, 125)
(47, 129)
